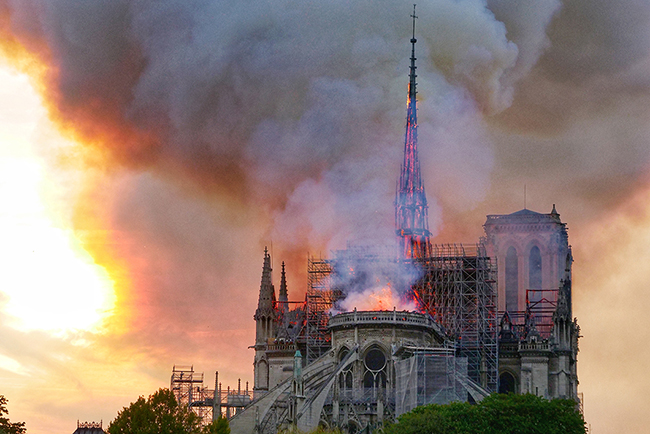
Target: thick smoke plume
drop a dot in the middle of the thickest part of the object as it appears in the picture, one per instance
(262, 103)
(368, 278)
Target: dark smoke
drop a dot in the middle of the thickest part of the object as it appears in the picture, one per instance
(263, 101)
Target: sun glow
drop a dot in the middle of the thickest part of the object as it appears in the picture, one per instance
(47, 280)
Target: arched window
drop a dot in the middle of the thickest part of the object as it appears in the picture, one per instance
(535, 272)
(512, 280)
(374, 380)
(507, 383)
(345, 377)
(262, 374)
(375, 364)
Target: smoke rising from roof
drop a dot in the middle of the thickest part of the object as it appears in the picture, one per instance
(263, 102)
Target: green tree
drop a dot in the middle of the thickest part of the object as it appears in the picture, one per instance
(217, 426)
(496, 414)
(159, 414)
(7, 427)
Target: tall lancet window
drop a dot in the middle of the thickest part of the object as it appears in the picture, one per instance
(262, 372)
(535, 269)
(512, 280)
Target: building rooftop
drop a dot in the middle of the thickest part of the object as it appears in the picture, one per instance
(524, 216)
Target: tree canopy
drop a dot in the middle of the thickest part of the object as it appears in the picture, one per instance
(496, 414)
(218, 426)
(7, 427)
(158, 414)
(161, 414)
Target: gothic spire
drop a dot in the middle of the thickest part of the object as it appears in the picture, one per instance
(284, 294)
(266, 301)
(411, 209)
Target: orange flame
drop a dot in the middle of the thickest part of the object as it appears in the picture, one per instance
(377, 298)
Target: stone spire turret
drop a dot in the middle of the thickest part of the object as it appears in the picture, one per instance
(411, 208)
(283, 298)
(266, 314)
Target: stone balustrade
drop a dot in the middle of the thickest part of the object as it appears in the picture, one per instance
(394, 317)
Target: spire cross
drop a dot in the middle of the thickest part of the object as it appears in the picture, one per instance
(414, 17)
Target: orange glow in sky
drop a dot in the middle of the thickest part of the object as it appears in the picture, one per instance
(49, 281)
(65, 301)
(56, 301)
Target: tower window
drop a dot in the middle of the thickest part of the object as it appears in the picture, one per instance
(512, 280)
(262, 374)
(535, 269)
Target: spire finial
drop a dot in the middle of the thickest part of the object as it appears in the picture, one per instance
(413, 40)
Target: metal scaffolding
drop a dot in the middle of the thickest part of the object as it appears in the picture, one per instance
(428, 376)
(231, 401)
(541, 304)
(187, 387)
(330, 279)
(456, 286)
(458, 289)
(319, 300)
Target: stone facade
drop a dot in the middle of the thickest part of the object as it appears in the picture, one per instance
(538, 341)
(532, 253)
(363, 394)
(352, 386)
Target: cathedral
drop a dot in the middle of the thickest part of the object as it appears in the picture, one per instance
(494, 316)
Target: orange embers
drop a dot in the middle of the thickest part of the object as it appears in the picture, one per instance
(377, 298)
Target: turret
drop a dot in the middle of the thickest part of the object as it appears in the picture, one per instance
(266, 315)
(283, 299)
